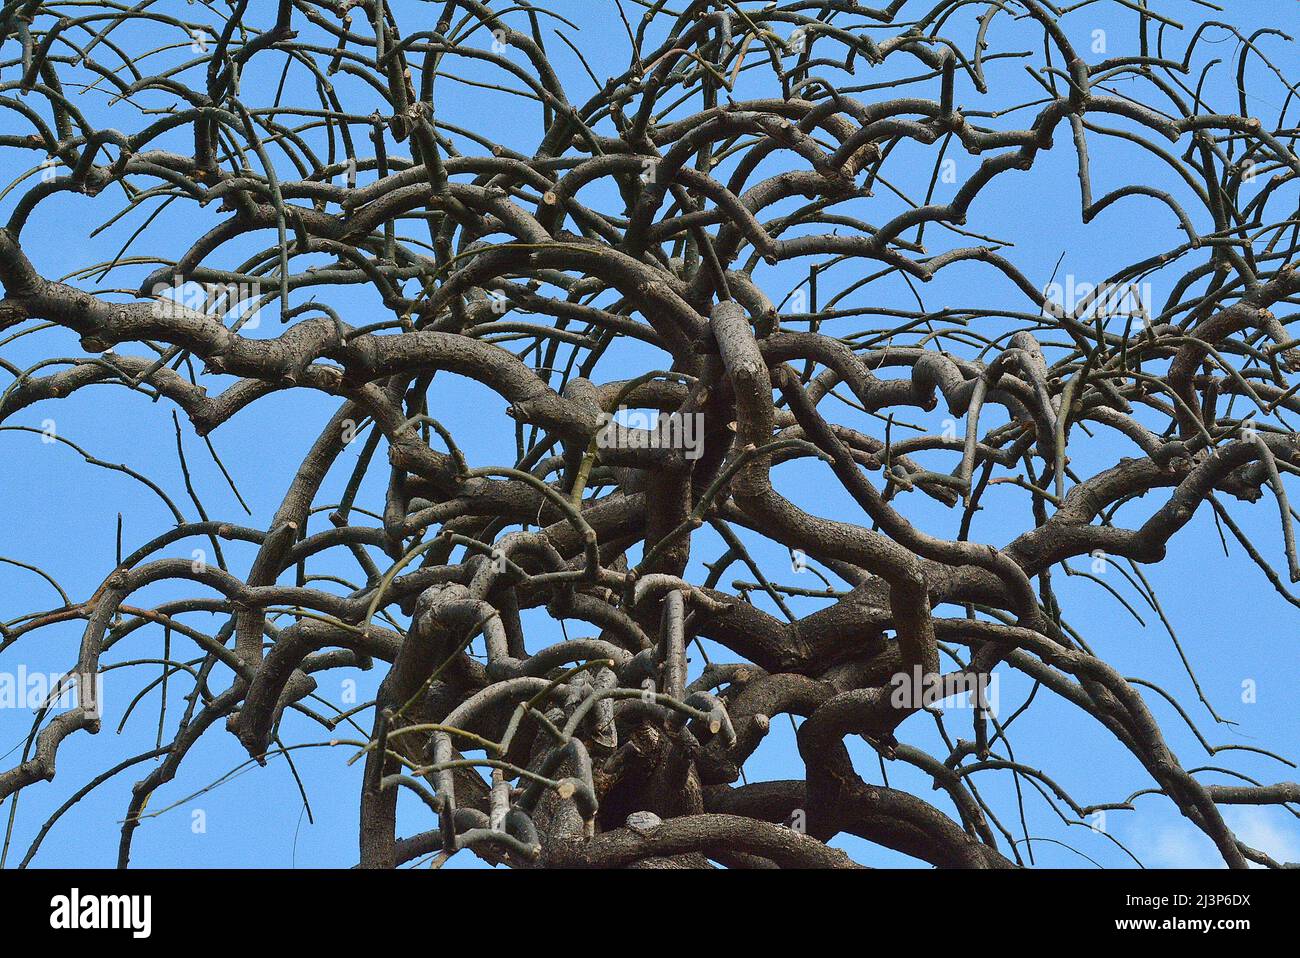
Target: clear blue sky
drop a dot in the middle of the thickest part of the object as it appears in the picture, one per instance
(59, 513)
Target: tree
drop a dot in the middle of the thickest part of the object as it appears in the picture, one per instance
(682, 410)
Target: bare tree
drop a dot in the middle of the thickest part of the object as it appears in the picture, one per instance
(319, 140)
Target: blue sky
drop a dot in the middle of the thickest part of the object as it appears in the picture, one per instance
(61, 514)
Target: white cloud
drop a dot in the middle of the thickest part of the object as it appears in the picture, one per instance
(1271, 830)
(1176, 845)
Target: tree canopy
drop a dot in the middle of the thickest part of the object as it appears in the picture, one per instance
(753, 473)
